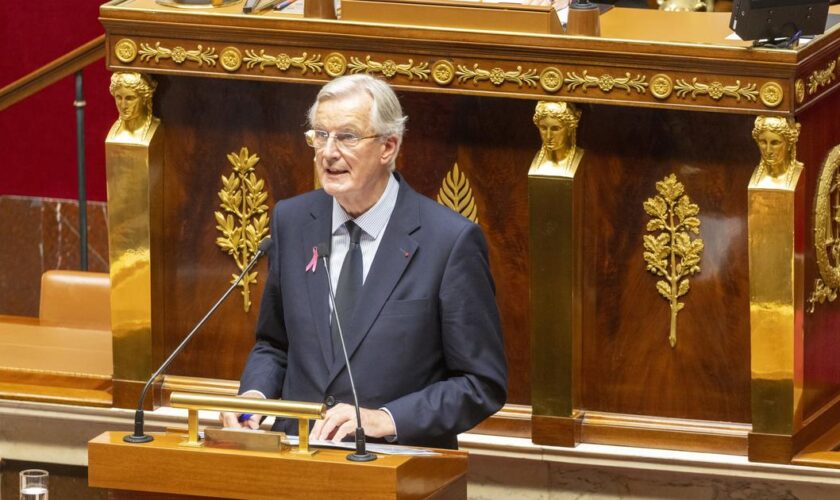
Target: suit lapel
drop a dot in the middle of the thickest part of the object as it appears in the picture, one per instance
(392, 258)
(318, 231)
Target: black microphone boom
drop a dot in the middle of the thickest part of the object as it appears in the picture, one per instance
(360, 455)
(139, 436)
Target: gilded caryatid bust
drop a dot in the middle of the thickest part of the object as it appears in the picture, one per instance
(133, 96)
(776, 138)
(559, 154)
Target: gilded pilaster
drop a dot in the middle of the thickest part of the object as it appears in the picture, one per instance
(775, 280)
(555, 308)
(133, 160)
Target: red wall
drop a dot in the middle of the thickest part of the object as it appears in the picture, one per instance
(38, 134)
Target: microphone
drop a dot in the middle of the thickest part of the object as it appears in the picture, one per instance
(360, 455)
(139, 436)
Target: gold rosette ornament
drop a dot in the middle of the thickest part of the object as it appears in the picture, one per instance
(243, 220)
(672, 254)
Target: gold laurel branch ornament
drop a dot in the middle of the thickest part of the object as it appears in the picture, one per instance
(243, 220)
(389, 68)
(497, 76)
(821, 78)
(179, 54)
(605, 82)
(716, 90)
(827, 232)
(672, 253)
(456, 193)
(283, 62)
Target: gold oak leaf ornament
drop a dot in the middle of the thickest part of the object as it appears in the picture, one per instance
(672, 253)
(243, 220)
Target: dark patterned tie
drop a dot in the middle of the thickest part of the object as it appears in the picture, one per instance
(349, 287)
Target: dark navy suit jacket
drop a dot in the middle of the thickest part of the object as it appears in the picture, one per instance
(424, 341)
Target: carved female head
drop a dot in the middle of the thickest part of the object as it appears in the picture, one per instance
(557, 123)
(776, 138)
(132, 94)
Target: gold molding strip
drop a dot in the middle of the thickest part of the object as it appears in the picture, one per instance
(672, 254)
(716, 90)
(827, 232)
(456, 193)
(179, 54)
(243, 198)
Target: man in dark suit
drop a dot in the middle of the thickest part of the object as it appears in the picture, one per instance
(414, 294)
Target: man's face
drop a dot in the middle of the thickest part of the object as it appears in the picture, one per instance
(355, 176)
(553, 133)
(773, 148)
(128, 103)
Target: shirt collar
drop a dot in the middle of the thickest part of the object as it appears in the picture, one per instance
(374, 220)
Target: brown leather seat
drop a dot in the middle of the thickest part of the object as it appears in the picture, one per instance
(76, 299)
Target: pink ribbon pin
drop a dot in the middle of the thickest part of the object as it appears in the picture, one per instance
(313, 263)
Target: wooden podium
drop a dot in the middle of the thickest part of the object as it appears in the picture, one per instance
(597, 353)
(164, 467)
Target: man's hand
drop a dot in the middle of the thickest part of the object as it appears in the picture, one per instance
(231, 420)
(341, 421)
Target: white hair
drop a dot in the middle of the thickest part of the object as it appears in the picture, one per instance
(386, 115)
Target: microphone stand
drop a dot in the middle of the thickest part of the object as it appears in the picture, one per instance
(361, 454)
(139, 436)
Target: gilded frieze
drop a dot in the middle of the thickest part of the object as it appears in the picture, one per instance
(243, 220)
(827, 232)
(821, 78)
(456, 193)
(497, 76)
(179, 55)
(672, 253)
(389, 68)
(716, 90)
(605, 82)
(283, 62)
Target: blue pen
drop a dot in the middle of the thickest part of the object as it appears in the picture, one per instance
(245, 417)
(284, 4)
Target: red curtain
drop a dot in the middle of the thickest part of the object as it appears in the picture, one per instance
(38, 134)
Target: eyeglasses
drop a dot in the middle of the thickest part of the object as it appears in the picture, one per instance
(318, 138)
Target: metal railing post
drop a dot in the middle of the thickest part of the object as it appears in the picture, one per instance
(80, 104)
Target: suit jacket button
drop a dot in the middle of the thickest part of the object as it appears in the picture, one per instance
(330, 401)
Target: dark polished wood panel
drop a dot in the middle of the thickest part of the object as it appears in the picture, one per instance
(628, 364)
(818, 136)
(492, 140)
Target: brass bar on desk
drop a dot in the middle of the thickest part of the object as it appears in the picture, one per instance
(292, 409)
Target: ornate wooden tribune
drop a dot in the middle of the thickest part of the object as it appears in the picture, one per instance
(724, 355)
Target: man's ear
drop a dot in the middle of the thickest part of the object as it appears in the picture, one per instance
(389, 150)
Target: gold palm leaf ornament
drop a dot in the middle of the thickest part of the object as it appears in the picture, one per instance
(243, 220)
(671, 253)
(456, 193)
